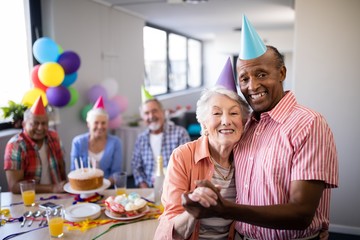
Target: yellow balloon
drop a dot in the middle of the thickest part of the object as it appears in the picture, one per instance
(32, 95)
(51, 74)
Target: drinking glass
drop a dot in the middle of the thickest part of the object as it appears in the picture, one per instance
(55, 218)
(120, 179)
(27, 188)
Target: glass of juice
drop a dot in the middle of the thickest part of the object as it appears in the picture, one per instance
(55, 218)
(27, 188)
(120, 181)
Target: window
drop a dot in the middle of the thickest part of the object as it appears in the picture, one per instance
(15, 48)
(173, 62)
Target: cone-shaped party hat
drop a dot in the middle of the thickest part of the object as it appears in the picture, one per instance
(145, 95)
(226, 78)
(38, 107)
(99, 103)
(251, 44)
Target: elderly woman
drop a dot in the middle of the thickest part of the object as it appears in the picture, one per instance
(98, 145)
(221, 113)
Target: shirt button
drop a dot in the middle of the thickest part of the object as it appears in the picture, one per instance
(246, 185)
(251, 158)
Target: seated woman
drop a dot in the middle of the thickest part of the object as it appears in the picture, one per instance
(220, 112)
(98, 144)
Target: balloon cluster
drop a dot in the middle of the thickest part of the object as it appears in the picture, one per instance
(114, 103)
(52, 79)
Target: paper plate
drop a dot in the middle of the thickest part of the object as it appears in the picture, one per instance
(82, 211)
(107, 213)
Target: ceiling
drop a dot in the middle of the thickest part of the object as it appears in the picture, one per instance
(205, 20)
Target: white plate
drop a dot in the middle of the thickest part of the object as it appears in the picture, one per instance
(74, 219)
(107, 213)
(106, 184)
(83, 210)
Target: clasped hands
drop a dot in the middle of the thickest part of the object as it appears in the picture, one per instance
(205, 201)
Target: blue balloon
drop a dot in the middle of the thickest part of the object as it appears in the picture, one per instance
(69, 79)
(45, 50)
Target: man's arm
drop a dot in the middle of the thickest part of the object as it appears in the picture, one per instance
(15, 176)
(296, 214)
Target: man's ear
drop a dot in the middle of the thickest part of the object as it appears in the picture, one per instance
(282, 73)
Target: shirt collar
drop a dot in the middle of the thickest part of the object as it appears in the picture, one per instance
(203, 144)
(282, 110)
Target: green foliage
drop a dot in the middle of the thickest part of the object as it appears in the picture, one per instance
(14, 111)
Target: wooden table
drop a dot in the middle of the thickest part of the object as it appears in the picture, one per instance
(139, 230)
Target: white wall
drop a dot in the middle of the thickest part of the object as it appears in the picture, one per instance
(326, 68)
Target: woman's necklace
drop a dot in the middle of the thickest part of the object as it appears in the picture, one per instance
(218, 171)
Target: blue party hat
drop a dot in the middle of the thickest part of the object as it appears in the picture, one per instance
(226, 78)
(251, 44)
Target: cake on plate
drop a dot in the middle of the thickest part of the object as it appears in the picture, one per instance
(125, 205)
(86, 179)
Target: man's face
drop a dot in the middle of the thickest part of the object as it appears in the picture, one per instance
(36, 127)
(153, 116)
(260, 81)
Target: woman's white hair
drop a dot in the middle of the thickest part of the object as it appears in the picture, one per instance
(93, 113)
(202, 107)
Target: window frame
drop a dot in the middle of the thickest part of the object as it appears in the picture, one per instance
(187, 86)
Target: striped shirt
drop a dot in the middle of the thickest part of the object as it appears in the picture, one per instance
(143, 164)
(22, 153)
(288, 143)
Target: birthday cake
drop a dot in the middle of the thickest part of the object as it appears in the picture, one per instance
(125, 205)
(84, 179)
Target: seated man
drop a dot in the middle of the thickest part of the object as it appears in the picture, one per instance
(35, 153)
(160, 138)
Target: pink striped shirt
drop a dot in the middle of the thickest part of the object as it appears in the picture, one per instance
(288, 143)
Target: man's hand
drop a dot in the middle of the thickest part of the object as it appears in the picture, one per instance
(204, 202)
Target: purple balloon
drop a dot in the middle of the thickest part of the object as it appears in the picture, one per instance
(58, 96)
(95, 92)
(112, 109)
(70, 61)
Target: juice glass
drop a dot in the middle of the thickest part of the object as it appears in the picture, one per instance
(120, 180)
(27, 188)
(55, 219)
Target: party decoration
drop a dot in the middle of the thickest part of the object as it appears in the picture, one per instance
(115, 122)
(38, 107)
(30, 97)
(70, 61)
(145, 95)
(58, 96)
(35, 78)
(251, 44)
(51, 74)
(99, 103)
(111, 86)
(69, 79)
(226, 78)
(84, 111)
(45, 50)
(95, 92)
(74, 96)
(98, 96)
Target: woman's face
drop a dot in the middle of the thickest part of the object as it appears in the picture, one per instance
(98, 126)
(224, 121)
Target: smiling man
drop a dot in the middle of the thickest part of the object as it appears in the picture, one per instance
(35, 153)
(285, 163)
(160, 138)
